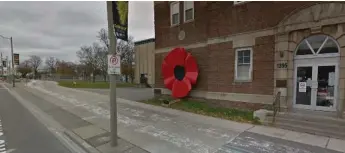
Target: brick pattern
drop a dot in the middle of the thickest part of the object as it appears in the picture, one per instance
(217, 68)
(215, 19)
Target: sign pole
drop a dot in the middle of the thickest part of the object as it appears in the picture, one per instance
(112, 77)
(2, 66)
(14, 78)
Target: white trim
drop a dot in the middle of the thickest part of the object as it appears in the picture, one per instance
(315, 60)
(171, 13)
(250, 67)
(240, 2)
(316, 54)
(324, 42)
(216, 40)
(310, 47)
(314, 64)
(184, 11)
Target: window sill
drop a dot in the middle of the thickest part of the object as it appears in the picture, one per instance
(242, 81)
(174, 25)
(240, 3)
(188, 21)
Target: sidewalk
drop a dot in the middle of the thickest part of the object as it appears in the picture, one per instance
(158, 129)
(86, 134)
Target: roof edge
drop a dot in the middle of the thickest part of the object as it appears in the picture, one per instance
(145, 41)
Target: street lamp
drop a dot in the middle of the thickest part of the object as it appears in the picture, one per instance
(10, 38)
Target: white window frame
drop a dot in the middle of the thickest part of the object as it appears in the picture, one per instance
(240, 2)
(185, 9)
(250, 68)
(171, 13)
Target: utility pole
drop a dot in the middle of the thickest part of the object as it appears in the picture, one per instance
(2, 66)
(112, 77)
(13, 76)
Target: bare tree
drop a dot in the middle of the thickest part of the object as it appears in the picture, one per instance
(24, 68)
(51, 63)
(126, 51)
(103, 37)
(87, 57)
(35, 62)
(101, 59)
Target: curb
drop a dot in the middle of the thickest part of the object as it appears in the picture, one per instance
(82, 143)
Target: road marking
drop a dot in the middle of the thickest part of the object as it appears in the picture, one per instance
(53, 126)
(10, 150)
(2, 140)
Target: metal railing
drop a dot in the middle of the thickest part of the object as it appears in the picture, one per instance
(276, 106)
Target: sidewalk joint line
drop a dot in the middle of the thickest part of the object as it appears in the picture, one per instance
(327, 142)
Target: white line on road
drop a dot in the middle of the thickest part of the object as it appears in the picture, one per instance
(2, 140)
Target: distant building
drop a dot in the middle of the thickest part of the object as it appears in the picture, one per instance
(145, 60)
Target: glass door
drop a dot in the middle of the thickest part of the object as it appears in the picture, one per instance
(326, 87)
(303, 86)
(316, 86)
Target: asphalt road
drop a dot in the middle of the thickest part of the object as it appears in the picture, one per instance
(135, 94)
(22, 132)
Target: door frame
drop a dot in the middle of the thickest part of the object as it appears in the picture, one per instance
(315, 63)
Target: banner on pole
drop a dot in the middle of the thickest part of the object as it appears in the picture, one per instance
(16, 58)
(120, 18)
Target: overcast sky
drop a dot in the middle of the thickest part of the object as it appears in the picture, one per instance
(58, 29)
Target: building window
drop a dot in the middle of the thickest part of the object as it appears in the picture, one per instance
(188, 10)
(316, 45)
(243, 64)
(175, 13)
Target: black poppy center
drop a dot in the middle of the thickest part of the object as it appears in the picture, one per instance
(179, 72)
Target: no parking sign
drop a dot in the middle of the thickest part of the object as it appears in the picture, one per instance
(114, 64)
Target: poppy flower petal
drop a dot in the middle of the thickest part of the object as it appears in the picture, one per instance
(191, 68)
(176, 57)
(167, 70)
(169, 82)
(181, 89)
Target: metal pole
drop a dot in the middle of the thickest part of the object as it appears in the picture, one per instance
(2, 66)
(14, 78)
(112, 77)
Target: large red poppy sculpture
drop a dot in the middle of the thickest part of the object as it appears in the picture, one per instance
(180, 71)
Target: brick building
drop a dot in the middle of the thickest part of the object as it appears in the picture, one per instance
(248, 51)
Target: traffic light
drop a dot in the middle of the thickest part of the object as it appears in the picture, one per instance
(4, 63)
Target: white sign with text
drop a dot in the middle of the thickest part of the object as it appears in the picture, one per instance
(302, 86)
(114, 64)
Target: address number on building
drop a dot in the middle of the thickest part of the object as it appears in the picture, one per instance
(282, 65)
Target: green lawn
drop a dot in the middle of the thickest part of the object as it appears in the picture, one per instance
(97, 85)
(203, 108)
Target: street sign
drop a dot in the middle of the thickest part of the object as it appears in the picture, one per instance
(114, 64)
(16, 59)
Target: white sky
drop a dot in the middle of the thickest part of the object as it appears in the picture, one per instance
(58, 29)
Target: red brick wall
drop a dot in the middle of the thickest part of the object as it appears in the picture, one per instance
(217, 64)
(216, 61)
(214, 19)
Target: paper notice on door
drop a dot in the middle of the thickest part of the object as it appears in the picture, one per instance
(331, 78)
(302, 87)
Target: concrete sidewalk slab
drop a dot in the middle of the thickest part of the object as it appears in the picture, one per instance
(88, 131)
(336, 144)
(123, 146)
(87, 136)
(160, 129)
(305, 138)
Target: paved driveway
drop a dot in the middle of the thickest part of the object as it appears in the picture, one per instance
(135, 94)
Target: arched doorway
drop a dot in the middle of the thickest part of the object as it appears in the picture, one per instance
(316, 71)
